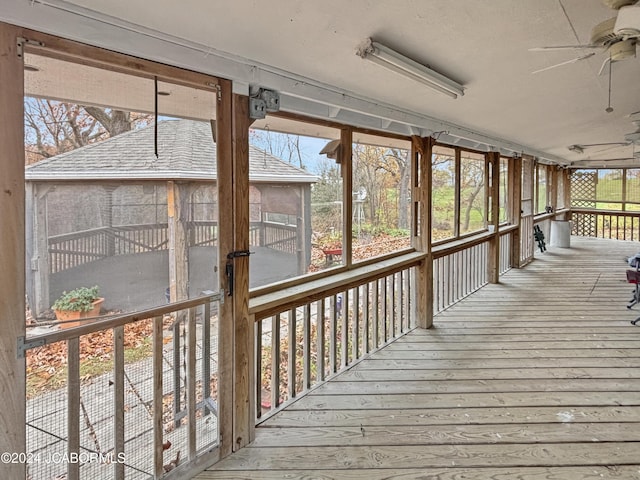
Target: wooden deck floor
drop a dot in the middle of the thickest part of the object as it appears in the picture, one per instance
(534, 378)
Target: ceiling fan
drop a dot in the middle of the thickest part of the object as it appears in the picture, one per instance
(581, 147)
(618, 36)
(632, 139)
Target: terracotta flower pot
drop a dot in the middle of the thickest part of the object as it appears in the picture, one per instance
(67, 315)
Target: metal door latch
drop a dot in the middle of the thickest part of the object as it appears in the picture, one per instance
(229, 268)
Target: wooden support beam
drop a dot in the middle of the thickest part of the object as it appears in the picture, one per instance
(493, 265)
(118, 401)
(554, 175)
(37, 247)
(345, 156)
(421, 179)
(243, 400)
(567, 188)
(177, 213)
(224, 152)
(12, 251)
(515, 207)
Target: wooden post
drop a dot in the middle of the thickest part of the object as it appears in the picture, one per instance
(37, 248)
(553, 174)
(111, 239)
(12, 252)
(244, 401)
(421, 178)
(515, 207)
(224, 152)
(567, 189)
(177, 212)
(345, 153)
(493, 265)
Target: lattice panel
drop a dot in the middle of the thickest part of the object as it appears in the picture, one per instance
(583, 189)
(583, 194)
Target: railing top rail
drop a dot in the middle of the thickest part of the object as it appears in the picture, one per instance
(449, 248)
(541, 217)
(114, 321)
(263, 306)
(599, 211)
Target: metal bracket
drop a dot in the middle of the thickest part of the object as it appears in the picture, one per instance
(21, 42)
(262, 101)
(24, 345)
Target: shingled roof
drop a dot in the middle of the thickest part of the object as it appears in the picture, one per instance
(185, 151)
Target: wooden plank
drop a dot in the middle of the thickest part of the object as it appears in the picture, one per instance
(483, 385)
(73, 406)
(514, 373)
(291, 354)
(306, 348)
(416, 352)
(322, 354)
(465, 400)
(436, 456)
(425, 416)
(12, 253)
(275, 361)
(259, 367)
(158, 406)
(481, 473)
(191, 383)
(118, 400)
(428, 435)
(480, 361)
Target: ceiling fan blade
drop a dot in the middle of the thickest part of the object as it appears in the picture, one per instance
(574, 60)
(565, 47)
(594, 162)
(603, 144)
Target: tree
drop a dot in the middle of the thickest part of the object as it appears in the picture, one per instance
(471, 184)
(53, 127)
(285, 146)
(384, 174)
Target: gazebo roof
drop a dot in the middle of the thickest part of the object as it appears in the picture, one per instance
(186, 151)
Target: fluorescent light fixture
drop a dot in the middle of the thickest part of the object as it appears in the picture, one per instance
(391, 60)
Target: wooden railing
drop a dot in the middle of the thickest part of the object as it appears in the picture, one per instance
(309, 332)
(276, 236)
(140, 396)
(79, 248)
(505, 250)
(611, 224)
(459, 269)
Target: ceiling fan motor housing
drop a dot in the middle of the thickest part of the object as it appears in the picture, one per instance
(628, 22)
(622, 50)
(602, 33)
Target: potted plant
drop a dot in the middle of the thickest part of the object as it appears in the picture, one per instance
(82, 302)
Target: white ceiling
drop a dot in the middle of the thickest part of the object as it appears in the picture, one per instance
(482, 44)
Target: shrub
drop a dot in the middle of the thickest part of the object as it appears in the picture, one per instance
(79, 299)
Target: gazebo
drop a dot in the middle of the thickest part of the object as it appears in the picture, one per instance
(104, 213)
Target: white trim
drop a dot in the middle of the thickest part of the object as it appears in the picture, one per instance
(298, 94)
